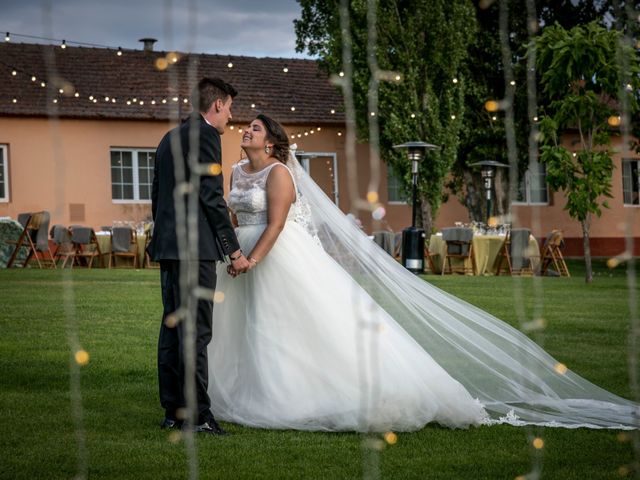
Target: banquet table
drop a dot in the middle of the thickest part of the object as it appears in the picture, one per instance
(486, 249)
(104, 240)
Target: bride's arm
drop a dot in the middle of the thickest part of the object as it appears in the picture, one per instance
(280, 196)
(234, 219)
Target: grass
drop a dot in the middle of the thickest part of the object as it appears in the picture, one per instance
(115, 315)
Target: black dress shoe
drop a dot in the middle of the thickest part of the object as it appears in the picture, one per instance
(211, 427)
(169, 423)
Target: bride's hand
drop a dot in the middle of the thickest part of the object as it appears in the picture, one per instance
(231, 271)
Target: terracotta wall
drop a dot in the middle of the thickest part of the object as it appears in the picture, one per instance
(62, 166)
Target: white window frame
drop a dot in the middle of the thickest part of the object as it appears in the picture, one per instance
(4, 157)
(629, 159)
(392, 174)
(305, 157)
(135, 173)
(527, 190)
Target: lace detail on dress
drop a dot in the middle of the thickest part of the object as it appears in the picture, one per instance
(248, 199)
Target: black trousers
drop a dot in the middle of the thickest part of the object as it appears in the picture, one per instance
(171, 377)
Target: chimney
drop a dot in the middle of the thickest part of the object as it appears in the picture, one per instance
(148, 43)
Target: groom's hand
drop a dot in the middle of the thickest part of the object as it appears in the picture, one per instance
(239, 265)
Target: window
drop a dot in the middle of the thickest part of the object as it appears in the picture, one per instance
(394, 187)
(532, 188)
(4, 174)
(631, 181)
(131, 175)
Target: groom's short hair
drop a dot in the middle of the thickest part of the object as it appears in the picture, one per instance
(209, 90)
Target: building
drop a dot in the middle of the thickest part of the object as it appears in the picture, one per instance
(79, 127)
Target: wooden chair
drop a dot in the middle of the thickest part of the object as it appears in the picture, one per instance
(124, 244)
(515, 251)
(34, 237)
(459, 242)
(65, 249)
(428, 259)
(552, 254)
(86, 246)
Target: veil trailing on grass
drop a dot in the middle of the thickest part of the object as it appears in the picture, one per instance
(515, 380)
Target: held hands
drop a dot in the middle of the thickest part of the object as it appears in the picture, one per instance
(239, 264)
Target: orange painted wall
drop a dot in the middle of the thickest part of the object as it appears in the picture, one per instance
(55, 164)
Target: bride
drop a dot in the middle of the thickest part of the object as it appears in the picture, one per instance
(327, 332)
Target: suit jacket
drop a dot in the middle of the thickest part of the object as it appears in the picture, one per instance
(216, 237)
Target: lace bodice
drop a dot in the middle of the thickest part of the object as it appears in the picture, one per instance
(248, 196)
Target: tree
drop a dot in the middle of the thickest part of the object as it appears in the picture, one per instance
(581, 80)
(426, 41)
(483, 135)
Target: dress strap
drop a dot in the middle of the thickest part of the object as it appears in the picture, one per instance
(295, 186)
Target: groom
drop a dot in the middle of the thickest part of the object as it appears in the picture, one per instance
(211, 100)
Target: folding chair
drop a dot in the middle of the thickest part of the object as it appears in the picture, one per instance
(552, 254)
(459, 243)
(86, 246)
(429, 259)
(124, 243)
(34, 238)
(515, 250)
(65, 249)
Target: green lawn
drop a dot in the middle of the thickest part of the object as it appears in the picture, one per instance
(116, 314)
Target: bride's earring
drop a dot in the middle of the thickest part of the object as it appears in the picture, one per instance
(267, 149)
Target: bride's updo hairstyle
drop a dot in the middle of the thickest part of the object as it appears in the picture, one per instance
(276, 135)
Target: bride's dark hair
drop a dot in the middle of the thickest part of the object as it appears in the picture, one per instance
(277, 135)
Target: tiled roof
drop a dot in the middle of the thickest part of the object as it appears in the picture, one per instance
(133, 75)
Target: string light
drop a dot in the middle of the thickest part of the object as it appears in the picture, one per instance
(33, 78)
(318, 128)
(7, 37)
(141, 102)
(285, 69)
(185, 100)
(119, 52)
(453, 117)
(373, 114)
(230, 64)
(164, 100)
(77, 95)
(64, 44)
(55, 100)
(293, 109)
(60, 90)
(175, 99)
(134, 100)
(341, 74)
(413, 115)
(14, 73)
(15, 100)
(153, 102)
(339, 134)
(398, 78)
(455, 80)
(91, 97)
(512, 83)
(494, 118)
(333, 111)
(253, 105)
(43, 84)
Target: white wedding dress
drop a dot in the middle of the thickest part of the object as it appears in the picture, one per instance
(329, 333)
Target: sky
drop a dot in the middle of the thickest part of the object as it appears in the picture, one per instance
(257, 28)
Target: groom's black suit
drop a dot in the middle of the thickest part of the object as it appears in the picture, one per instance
(216, 238)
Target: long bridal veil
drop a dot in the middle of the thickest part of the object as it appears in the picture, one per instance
(516, 381)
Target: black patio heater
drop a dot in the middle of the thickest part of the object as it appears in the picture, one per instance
(413, 237)
(488, 172)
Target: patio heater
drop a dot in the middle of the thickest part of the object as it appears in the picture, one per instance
(413, 237)
(488, 172)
